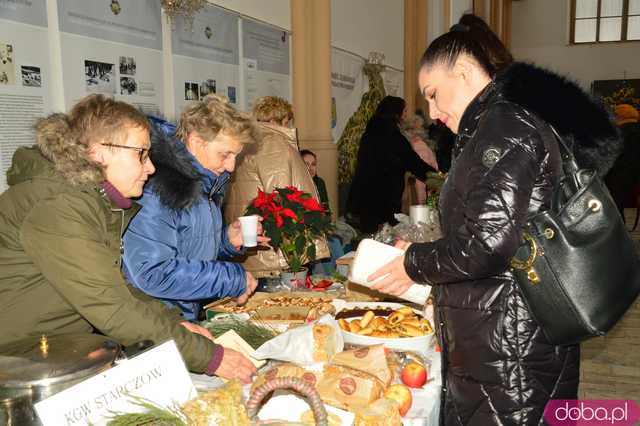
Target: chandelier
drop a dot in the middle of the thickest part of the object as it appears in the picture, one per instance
(187, 9)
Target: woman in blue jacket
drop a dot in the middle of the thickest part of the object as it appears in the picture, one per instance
(178, 248)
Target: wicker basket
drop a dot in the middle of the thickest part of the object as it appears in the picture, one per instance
(305, 389)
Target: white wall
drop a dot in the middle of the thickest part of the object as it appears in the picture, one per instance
(361, 26)
(540, 33)
(358, 26)
(275, 12)
(436, 21)
(459, 8)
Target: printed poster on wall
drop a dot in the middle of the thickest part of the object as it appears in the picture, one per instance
(25, 87)
(206, 57)
(265, 62)
(114, 48)
(393, 82)
(348, 84)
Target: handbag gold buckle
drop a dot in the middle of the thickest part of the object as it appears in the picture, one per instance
(527, 265)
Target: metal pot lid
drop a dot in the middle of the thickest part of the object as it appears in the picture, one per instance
(50, 359)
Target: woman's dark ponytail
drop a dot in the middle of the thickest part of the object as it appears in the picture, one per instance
(471, 36)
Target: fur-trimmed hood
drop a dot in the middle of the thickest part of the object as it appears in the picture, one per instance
(57, 151)
(180, 180)
(579, 118)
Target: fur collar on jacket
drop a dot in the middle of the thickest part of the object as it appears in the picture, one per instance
(578, 117)
(178, 181)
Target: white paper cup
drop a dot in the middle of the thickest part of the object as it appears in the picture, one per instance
(419, 213)
(249, 227)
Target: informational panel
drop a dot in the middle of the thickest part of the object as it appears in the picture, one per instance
(393, 82)
(265, 61)
(157, 376)
(206, 57)
(24, 76)
(348, 84)
(114, 48)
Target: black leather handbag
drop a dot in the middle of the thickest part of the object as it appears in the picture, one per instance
(578, 268)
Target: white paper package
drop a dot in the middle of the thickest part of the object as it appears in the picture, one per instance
(371, 256)
(296, 345)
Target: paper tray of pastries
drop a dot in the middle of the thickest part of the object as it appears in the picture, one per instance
(392, 324)
(281, 307)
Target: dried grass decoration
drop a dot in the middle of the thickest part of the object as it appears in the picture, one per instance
(221, 407)
(254, 334)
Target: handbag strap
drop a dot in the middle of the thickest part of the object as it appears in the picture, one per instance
(570, 171)
(569, 163)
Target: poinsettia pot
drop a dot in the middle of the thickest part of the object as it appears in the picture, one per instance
(294, 280)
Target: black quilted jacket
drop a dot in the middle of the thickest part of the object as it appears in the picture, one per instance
(497, 365)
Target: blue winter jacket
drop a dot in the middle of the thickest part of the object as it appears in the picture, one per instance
(176, 247)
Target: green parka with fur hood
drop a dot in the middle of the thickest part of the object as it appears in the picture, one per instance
(60, 260)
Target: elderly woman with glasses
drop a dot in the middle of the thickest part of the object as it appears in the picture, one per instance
(62, 221)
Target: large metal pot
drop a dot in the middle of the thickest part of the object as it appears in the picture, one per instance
(35, 368)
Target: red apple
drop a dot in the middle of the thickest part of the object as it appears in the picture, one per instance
(401, 395)
(414, 375)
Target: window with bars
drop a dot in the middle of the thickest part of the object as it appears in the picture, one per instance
(602, 21)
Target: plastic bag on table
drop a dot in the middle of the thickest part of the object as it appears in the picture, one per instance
(407, 231)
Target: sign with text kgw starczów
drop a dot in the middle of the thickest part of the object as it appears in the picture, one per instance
(157, 375)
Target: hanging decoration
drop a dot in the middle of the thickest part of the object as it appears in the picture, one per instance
(349, 141)
(185, 8)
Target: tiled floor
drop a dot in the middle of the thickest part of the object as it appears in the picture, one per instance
(610, 366)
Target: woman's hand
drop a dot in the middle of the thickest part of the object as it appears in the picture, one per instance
(402, 244)
(252, 283)
(194, 328)
(234, 365)
(396, 281)
(234, 233)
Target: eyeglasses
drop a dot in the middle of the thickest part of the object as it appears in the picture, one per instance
(142, 152)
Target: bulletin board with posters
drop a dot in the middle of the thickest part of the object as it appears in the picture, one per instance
(206, 56)
(265, 62)
(116, 48)
(113, 48)
(25, 80)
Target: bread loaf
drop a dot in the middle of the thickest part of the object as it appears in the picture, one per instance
(324, 342)
(383, 412)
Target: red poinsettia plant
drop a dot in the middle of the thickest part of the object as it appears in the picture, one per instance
(293, 219)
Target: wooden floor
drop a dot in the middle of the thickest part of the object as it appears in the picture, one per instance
(610, 365)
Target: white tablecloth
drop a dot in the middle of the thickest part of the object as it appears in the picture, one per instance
(425, 409)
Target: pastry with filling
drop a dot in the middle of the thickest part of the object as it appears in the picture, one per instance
(324, 342)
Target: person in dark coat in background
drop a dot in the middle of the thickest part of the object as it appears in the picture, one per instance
(498, 366)
(444, 139)
(624, 176)
(384, 157)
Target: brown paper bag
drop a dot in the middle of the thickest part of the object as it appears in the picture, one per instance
(347, 388)
(370, 359)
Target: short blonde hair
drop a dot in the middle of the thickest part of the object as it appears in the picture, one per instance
(65, 139)
(272, 108)
(212, 115)
(99, 118)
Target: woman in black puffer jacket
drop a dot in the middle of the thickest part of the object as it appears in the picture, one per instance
(385, 155)
(498, 367)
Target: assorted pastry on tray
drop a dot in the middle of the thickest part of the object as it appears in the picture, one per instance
(278, 301)
(384, 322)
